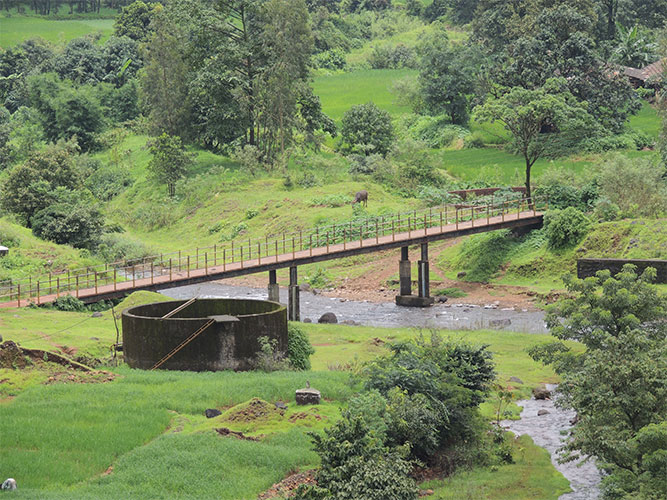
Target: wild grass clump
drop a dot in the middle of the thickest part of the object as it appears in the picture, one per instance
(482, 256)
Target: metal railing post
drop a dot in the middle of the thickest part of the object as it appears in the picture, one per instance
(114, 279)
(37, 292)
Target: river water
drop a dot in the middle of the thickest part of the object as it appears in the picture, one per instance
(546, 430)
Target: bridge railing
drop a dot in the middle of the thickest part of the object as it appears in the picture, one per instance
(240, 252)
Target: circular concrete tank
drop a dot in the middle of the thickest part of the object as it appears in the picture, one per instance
(231, 342)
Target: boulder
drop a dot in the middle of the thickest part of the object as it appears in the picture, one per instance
(542, 412)
(212, 412)
(441, 299)
(307, 320)
(541, 392)
(308, 396)
(305, 287)
(280, 405)
(500, 323)
(516, 380)
(328, 317)
(9, 484)
(96, 314)
(461, 274)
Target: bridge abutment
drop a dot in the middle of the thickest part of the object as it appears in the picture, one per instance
(423, 298)
(293, 308)
(274, 289)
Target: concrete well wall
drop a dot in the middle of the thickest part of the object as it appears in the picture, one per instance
(231, 343)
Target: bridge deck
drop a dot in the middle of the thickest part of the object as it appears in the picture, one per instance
(296, 258)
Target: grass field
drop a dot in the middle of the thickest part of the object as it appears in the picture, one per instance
(340, 91)
(144, 435)
(646, 120)
(16, 29)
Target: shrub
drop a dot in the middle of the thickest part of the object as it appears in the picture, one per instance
(299, 348)
(474, 140)
(251, 213)
(332, 59)
(566, 227)
(107, 183)
(637, 186)
(69, 303)
(413, 420)
(433, 196)
(483, 255)
(249, 157)
(606, 211)
(330, 200)
(366, 129)
(319, 279)
(118, 247)
(76, 224)
(396, 57)
(268, 358)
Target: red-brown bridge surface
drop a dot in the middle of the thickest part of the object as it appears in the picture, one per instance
(239, 258)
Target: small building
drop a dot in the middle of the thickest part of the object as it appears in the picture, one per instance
(3, 251)
(651, 76)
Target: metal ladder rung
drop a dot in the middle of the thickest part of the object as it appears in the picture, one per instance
(183, 344)
(179, 308)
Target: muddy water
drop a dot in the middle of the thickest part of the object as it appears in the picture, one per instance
(548, 431)
(544, 430)
(387, 314)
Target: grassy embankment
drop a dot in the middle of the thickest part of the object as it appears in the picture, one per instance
(16, 28)
(144, 434)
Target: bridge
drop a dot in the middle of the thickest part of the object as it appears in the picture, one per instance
(286, 250)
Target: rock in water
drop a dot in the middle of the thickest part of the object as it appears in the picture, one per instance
(328, 317)
(541, 392)
(308, 396)
(542, 412)
(500, 323)
(9, 484)
(212, 412)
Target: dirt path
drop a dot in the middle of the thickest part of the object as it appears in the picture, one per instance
(374, 283)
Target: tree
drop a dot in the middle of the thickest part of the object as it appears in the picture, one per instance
(164, 79)
(72, 222)
(447, 76)
(170, 161)
(120, 60)
(5, 130)
(536, 119)
(366, 129)
(81, 62)
(31, 186)
(134, 21)
(618, 384)
(634, 48)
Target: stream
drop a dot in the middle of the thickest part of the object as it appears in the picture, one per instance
(546, 430)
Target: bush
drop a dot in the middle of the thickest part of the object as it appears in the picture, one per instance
(566, 227)
(433, 196)
(107, 183)
(333, 59)
(268, 358)
(330, 200)
(117, 247)
(299, 348)
(483, 255)
(79, 225)
(637, 186)
(606, 211)
(366, 129)
(396, 57)
(474, 140)
(69, 303)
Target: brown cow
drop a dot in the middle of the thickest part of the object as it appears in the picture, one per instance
(361, 197)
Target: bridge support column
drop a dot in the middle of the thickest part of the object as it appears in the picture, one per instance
(405, 276)
(293, 309)
(274, 289)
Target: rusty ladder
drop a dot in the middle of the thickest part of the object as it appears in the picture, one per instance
(182, 344)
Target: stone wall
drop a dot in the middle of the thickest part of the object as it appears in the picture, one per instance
(588, 267)
(231, 343)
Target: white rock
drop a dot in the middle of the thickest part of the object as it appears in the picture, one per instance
(9, 484)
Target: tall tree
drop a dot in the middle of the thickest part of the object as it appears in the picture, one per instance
(618, 384)
(170, 161)
(536, 119)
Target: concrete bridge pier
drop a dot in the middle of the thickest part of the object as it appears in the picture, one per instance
(423, 298)
(274, 289)
(293, 308)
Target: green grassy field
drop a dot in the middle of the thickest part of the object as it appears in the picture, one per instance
(646, 120)
(340, 91)
(17, 28)
(144, 434)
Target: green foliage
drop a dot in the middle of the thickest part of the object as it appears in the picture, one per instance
(483, 255)
(115, 247)
(333, 59)
(392, 57)
(170, 161)
(566, 227)
(77, 223)
(319, 279)
(330, 200)
(134, 21)
(618, 385)
(434, 196)
(69, 303)
(299, 348)
(637, 186)
(355, 464)
(108, 182)
(30, 186)
(269, 358)
(451, 292)
(366, 130)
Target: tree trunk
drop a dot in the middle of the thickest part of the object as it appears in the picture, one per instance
(528, 192)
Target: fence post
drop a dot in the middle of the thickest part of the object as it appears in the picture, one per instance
(95, 282)
(361, 236)
(114, 279)
(425, 231)
(77, 286)
(276, 250)
(19, 294)
(169, 268)
(152, 273)
(328, 241)
(134, 277)
(344, 238)
(377, 238)
(488, 217)
(311, 245)
(232, 261)
(215, 254)
(241, 256)
(179, 259)
(457, 218)
(37, 292)
(205, 263)
(58, 287)
(409, 228)
(259, 253)
(292, 247)
(393, 232)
